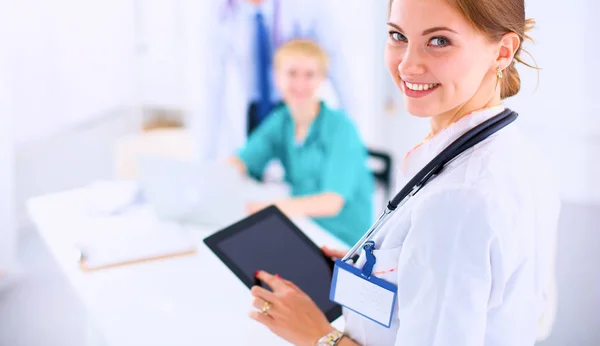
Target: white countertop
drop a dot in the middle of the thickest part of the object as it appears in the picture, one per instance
(190, 300)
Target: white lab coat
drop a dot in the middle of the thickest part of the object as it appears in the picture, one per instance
(230, 73)
(473, 252)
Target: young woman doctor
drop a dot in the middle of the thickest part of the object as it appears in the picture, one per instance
(472, 253)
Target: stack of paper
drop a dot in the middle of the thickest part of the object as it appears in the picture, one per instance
(115, 241)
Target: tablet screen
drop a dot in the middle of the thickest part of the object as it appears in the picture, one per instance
(269, 241)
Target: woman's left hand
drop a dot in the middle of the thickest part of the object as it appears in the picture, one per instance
(289, 312)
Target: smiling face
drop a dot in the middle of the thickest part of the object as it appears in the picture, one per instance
(300, 67)
(298, 79)
(440, 62)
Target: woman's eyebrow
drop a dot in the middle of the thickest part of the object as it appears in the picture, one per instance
(426, 31)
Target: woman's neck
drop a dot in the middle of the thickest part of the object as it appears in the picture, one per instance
(441, 121)
(303, 116)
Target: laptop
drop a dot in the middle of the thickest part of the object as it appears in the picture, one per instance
(208, 193)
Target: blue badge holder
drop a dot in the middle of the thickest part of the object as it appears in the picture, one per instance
(366, 274)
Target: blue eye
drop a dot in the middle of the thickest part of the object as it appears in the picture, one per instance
(396, 36)
(439, 41)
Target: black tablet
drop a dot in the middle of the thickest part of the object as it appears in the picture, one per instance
(269, 241)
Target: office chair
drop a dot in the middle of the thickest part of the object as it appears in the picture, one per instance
(252, 122)
(381, 165)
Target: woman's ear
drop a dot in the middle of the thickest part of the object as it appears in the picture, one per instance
(508, 46)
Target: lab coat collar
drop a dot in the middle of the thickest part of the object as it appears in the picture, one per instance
(424, 152)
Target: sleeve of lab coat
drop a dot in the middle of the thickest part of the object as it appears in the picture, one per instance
(445, 271)
(328, 33)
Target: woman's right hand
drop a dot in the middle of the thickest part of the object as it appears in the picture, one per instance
(333, 253)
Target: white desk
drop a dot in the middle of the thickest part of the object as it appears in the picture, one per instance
(191, 300)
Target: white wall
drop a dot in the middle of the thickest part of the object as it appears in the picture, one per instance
(561, 114)
(73, 62)
(7, 207)
(359, 28)
(160, 43)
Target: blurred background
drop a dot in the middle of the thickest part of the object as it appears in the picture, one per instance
(79, 77)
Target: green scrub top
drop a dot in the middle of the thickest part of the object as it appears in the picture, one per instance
(332, 158)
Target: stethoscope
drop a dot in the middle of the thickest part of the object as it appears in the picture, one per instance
(431, 170)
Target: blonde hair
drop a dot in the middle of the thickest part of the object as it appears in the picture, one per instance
(303, 47)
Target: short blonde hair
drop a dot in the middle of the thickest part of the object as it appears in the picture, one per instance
(303, 47)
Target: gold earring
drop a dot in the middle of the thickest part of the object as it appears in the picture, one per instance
(499, 73)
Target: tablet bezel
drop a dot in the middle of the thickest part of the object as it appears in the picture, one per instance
(212, 242)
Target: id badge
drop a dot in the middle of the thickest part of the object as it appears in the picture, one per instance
(357, 290)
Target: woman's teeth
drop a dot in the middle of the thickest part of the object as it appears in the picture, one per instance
(419, 87)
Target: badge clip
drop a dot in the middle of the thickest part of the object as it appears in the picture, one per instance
(367, 269)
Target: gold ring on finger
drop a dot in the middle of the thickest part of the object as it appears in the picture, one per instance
(266, 307)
